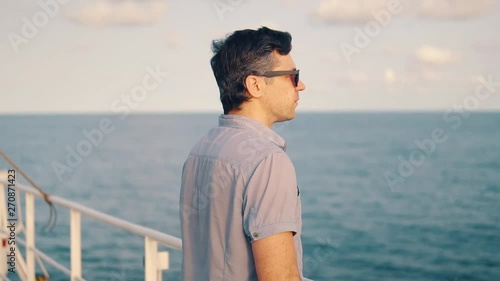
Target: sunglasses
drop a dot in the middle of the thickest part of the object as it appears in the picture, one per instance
(294, 74)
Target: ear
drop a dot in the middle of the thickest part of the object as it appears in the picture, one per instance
(254, 86)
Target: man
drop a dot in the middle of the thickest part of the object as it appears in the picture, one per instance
(240, 204)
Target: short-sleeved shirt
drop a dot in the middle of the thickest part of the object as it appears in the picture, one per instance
(238, 186)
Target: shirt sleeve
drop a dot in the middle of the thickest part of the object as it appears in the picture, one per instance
(271, 200)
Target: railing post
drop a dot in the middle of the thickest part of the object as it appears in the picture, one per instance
(163, 263)
(76, 246)
(151, 256)
(30, 237)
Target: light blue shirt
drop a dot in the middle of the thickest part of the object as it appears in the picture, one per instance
(238, 186)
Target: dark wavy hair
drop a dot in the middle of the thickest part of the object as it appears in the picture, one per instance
(245, 52)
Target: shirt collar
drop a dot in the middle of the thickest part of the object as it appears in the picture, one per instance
(244, 122)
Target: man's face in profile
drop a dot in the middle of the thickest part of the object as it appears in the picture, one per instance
(282, 95)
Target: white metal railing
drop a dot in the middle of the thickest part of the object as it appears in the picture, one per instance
(155, 261)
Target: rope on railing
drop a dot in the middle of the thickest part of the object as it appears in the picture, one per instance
(53, 215)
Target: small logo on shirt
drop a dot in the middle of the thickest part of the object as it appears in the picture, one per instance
(298, 191)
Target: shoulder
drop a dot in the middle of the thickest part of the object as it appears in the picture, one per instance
(275, 163)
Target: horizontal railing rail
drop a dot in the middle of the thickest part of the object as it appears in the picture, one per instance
(162, 238)
(155, 262)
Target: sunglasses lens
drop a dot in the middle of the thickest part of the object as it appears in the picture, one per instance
(296, 79)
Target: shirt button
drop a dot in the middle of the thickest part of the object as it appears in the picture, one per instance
(255, 234)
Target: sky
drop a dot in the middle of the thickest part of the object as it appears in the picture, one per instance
(108, 56)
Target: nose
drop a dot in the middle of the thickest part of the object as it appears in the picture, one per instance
(301, 86)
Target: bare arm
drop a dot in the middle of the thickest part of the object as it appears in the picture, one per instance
(275, 258)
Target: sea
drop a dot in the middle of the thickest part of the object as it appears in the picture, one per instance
(406, 196)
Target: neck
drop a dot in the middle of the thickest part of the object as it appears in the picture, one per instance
(254, 113)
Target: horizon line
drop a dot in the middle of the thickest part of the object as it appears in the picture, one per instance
(62, 113)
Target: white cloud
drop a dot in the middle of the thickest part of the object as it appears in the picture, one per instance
(127, 12)
(392, 78)
(454, 9)
(427, 75)
(389, 76)
(341, 11)
(435, 56)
